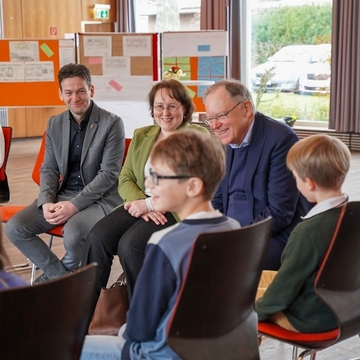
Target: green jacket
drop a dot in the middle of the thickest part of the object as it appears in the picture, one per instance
(131, 179)
(292, 290)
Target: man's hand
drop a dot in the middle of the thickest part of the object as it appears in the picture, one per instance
(59, 213)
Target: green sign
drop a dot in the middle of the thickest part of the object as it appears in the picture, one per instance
(101, 13)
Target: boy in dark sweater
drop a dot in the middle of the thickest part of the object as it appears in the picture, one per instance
(186, 169)
(319, 164)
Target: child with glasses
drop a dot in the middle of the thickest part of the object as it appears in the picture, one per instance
(182, 182)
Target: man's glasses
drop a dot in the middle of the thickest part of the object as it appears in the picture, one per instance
(156, 177)
(220, 117)
(171, 108)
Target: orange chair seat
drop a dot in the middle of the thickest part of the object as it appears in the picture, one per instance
(8, 211)
(311, 339)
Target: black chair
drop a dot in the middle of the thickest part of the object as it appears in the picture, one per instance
(49, 320)
(337, 284)
(214, 314)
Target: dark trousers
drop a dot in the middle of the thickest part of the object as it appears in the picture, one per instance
(119, 233)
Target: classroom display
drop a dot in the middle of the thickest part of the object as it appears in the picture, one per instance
(201, 56)
(123, 67)
(28, 71)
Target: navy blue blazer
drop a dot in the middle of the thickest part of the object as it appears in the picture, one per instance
(269, 186)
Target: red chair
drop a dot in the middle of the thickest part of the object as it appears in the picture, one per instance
(337, 284)
(4, 185)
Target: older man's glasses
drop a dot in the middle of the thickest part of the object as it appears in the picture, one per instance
(171, 108)
(156, 177)
(209, 120)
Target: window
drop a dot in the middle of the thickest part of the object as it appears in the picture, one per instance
(290, 58)
(167, 15)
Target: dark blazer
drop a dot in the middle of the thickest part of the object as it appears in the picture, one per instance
(270, 187)
(101, 159)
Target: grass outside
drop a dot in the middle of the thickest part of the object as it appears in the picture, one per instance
(304, 107)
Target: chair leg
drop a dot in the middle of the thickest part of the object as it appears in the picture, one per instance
(294, 353)
(312, 354)
(18, 266)
(33, 272)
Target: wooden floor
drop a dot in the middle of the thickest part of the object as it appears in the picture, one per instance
(24, 191)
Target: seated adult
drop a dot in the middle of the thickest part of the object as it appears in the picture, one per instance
(78, 177)
(257, 183)
(127, 229)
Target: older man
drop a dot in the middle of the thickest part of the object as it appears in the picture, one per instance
(257, 182)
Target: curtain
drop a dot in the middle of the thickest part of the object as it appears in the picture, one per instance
(125, 16)
(345, 67)
(213, 14)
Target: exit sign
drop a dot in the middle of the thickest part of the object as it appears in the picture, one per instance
(101, 13)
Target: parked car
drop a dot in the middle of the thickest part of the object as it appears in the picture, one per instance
(316, 78)
(298, 68)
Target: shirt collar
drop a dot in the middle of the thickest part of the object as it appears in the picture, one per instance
(326, 205)
(247, 138)
(205, 215)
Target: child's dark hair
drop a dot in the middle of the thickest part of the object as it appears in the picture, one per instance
(193, 153)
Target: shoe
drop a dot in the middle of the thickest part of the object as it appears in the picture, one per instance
(42, 278)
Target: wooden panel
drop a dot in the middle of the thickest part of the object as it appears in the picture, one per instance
(17, 120)
(41, 15)
(37, 119)
(87, 7)
(12, 20)
(103, 27)
(31, 122)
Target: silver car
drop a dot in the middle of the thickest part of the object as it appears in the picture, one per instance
(294, 68)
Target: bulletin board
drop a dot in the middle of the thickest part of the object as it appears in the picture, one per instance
(201, 55)
(28, 71)
(123, 68)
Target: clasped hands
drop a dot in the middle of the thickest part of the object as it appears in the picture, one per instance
(138, 208)
(58, 213)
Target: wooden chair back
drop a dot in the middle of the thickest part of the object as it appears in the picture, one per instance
(338, 281)
(214, 315)
(49, 320)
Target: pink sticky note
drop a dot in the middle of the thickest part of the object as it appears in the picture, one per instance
(115, 85)
(95, 60)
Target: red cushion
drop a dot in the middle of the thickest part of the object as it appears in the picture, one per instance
(275, 331)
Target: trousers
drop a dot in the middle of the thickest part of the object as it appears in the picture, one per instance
(24, 228)
(122, 234)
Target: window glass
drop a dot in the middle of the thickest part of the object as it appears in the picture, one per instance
(167, 15)
(290, 58)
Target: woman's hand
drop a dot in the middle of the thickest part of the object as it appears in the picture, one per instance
(136, 208)
(157, 217)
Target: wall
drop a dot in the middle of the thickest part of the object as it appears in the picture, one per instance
(32, 19)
